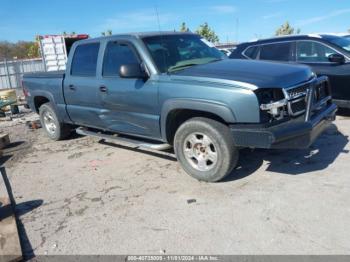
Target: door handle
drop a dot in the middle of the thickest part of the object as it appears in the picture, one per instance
(103, 89)
(72, 87)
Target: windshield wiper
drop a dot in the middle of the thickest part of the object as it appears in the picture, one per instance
(215, 60)
(185, 65)
(179, 67)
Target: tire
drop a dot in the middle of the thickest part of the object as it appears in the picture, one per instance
(49, 121)
(205, 149)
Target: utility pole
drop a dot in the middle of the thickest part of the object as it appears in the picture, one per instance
(237, 30)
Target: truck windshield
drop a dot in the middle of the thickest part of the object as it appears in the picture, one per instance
(342, 42)
(177, 52)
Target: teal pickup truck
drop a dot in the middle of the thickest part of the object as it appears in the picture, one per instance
(162, 90)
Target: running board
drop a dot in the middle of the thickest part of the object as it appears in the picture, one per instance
(116, 137)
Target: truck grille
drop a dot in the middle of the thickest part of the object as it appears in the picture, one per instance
(297, 96)
(298, 107)
(298, 91)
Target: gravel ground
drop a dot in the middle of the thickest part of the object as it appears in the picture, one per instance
(85, 196)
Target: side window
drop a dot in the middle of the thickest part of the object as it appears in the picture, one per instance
(251, 52)
(276, 52)
(310, 51)
(84, 61)
(116, 55)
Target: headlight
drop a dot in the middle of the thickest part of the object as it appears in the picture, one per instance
(272, 102)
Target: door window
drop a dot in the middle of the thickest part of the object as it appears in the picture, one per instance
(116, 55)
(251, 52)
(276, 52)
(314, 52)
(84, 62)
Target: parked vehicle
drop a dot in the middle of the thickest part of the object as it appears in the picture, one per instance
(55, 49)
(226, 48)
(226, 51)
(327, 55)
(176, 89)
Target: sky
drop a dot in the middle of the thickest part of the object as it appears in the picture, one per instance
(232, 20)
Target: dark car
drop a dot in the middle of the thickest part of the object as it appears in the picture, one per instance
(327, 55)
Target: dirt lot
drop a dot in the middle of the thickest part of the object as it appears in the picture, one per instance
(85, 196)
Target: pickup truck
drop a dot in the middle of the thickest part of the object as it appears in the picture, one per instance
(168, 89)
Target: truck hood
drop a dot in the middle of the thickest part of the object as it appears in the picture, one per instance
(261, 74)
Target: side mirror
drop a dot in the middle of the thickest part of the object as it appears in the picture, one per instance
(132, 71)
(336, 58)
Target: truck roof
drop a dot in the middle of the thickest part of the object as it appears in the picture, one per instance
(139, 35)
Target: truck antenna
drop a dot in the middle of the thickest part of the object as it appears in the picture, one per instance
(161, 35)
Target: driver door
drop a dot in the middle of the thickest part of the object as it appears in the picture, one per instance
(129, 105)
(316, 55)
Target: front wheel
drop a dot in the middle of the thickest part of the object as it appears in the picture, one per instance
(205, 149)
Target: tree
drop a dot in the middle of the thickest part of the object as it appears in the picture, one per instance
(33, 50)
(349, 30)
(287, 29)
(19, 50)
(206, 32)
(184, 28)
(6, 50)
(108, 32)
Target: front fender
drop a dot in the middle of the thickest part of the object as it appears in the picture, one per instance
(221, 110)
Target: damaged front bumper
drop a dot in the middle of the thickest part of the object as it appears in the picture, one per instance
(295, 133)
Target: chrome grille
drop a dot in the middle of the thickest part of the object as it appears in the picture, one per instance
(298, 91)
(296, 96)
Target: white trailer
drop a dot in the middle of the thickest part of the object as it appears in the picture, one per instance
(55, 49)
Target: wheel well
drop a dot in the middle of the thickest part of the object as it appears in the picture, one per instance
(177, 117)
(39, 101)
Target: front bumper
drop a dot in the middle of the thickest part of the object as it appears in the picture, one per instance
(294, 134)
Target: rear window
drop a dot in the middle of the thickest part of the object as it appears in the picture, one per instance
(276, 52)
(85, 60)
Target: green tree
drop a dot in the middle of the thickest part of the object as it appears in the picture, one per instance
(184, 28)
(6, 50)
(349, 30)
(108, 32)
(19, 50)
(33, 50)
(286, 29)
(206, 32)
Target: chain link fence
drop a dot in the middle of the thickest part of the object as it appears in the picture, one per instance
(11, 72)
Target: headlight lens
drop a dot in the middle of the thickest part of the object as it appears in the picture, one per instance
(272, 104)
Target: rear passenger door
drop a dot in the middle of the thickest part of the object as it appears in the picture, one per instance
(129, 105)
(81, 86)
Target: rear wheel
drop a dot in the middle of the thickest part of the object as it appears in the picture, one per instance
(205, 149)
(49, 121)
